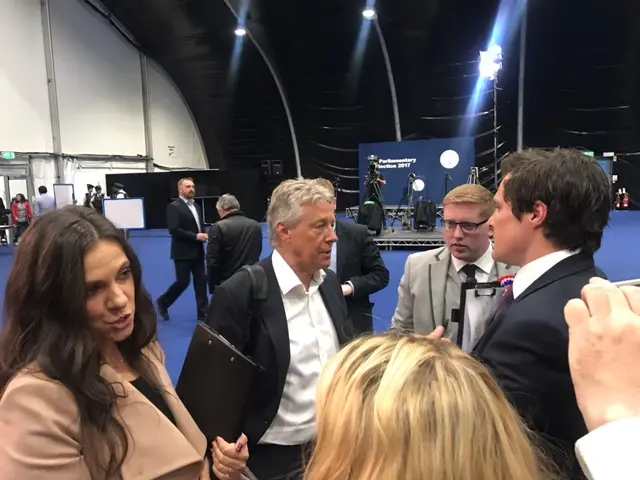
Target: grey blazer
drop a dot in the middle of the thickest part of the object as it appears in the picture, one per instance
(422, 290)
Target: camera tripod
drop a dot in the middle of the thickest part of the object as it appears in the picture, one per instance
(404, 214)
(376, 197)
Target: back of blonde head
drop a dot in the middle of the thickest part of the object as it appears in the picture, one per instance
(409, 408)
(290, 196)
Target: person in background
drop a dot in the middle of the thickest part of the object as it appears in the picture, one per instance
(234, 241)
(98, 198)
(361, 272)
(432, 281)
(44, 202)
(186, 227)
(551, 211)
(410, 407)
(118, 191)
(22, 215)
(84, 390)
(4, 220)
(88, 196)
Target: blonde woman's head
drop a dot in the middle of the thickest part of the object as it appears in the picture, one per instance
(410, 408)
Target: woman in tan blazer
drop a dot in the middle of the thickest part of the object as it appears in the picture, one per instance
(84, 393)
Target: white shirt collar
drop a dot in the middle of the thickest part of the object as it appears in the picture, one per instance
(188, 202)
(484, 263)
(287, 278)
(532, 271)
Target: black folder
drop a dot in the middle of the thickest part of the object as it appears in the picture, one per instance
(216, 384)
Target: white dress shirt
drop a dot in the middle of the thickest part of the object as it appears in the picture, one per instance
(312, 342)
(534, 270)
(609, 452)
(194, 212)
(480, 309)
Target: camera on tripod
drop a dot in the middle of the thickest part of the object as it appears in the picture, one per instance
(373, 173)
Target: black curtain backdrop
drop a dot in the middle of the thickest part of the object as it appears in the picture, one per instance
(160, 188)
(580, 88)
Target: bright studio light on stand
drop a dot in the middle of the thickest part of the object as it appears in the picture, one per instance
(369, 13)
(240, 32)
(491, 62)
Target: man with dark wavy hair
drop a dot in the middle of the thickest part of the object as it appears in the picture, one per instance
(551, 211)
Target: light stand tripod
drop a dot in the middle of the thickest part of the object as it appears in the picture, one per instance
(447, 178)
(404, 214)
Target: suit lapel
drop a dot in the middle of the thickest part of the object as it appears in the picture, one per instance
(160, 446)
(569, 266)
(438, 273)
(274, 319)
(185, 209)
(337, 317)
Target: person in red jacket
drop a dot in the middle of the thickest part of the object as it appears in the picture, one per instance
(22, 215)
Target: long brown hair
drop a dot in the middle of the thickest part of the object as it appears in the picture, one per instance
(46, 325)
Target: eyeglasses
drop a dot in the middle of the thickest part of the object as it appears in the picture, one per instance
(466, 227)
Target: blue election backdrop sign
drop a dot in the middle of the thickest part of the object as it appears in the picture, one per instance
(397, 160)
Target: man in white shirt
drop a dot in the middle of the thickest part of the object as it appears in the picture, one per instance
(300, 326)
(44, 202)
(432, 281)
(186, 227)
(604, 353)
(551, 210)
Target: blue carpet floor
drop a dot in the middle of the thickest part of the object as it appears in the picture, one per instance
(618, 257)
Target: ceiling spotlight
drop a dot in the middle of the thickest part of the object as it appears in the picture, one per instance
(240, 32)
(449, 159)
(369, 13)
(491, 62)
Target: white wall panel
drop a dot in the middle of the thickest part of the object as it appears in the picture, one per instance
(99, 83)
(25, 124)
(175, 138)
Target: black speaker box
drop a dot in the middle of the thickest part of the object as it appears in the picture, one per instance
(424, 215)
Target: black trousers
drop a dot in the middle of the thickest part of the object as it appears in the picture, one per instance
(184, 270)
(278, 462)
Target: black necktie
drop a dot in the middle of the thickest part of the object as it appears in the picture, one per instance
(469, 271)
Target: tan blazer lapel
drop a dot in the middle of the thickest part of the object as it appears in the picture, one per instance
(157, 447)
(439, 271)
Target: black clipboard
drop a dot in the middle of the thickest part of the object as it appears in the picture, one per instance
(216, 384)
(481, 290)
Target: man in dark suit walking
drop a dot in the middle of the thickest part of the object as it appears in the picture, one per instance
(234, 241)
(361, 271)
(551, 211)
(300, 327)
(186, 226)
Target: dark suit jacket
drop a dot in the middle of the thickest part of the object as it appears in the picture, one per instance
(184, 229)
(359, 262)
(267, 341)
(234, 241)
(526, 348)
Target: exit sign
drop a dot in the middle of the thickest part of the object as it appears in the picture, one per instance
(8, 155)
(589, 154)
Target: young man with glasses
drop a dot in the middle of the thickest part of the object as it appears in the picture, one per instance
(432, 281)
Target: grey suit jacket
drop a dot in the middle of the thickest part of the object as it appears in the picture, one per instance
(421, 294)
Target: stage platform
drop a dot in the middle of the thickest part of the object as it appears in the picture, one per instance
(390, 210)
(405, 240)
